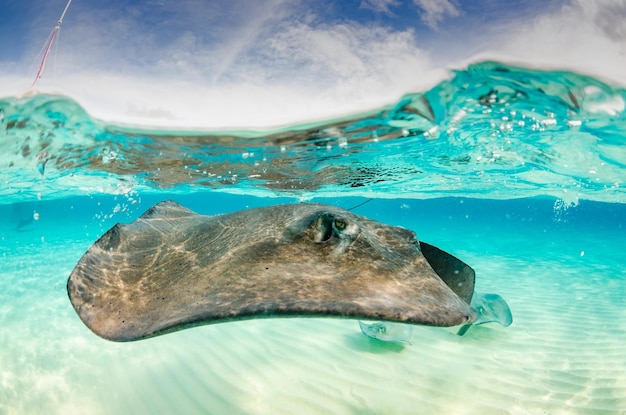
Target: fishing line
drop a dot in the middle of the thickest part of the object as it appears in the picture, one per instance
(53, 35)
(360, 204)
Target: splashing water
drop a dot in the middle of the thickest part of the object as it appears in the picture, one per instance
(490, 131)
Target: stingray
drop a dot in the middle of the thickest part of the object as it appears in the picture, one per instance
(173, 269)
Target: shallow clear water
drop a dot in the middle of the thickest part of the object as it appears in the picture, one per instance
(519, 173)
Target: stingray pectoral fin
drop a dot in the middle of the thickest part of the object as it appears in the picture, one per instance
(490, 308)
(455, 273)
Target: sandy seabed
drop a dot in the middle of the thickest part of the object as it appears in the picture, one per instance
(564, 353)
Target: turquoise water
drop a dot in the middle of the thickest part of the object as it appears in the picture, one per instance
(520, 173)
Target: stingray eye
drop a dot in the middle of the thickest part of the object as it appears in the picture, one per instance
(340, 224)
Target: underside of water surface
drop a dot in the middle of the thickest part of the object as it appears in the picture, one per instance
(490, 131)
(518, 172)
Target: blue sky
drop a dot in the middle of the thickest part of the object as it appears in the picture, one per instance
(238, 63)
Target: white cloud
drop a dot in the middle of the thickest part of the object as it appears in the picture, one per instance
(435, 11)
(380, 6)
(276, 74)
(343, 55)
(576, 37)
(609, 16)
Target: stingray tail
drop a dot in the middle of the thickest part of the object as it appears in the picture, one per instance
(464, 329)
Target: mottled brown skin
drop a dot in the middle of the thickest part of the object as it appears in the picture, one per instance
(172, 269)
